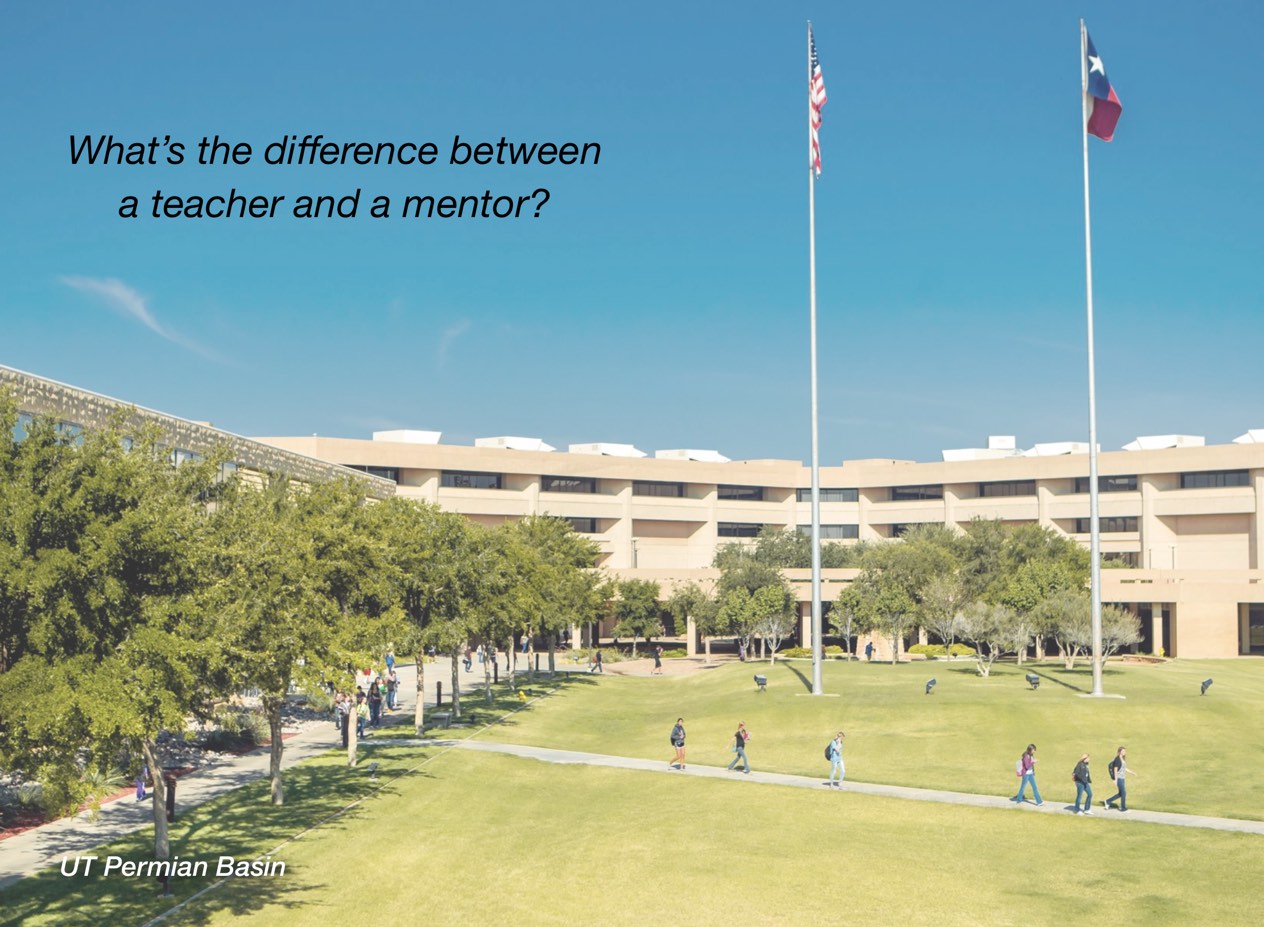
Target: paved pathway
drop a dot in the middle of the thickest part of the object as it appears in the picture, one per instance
(27, 853)
(861, 788)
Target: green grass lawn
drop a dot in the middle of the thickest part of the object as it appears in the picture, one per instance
(1194, 754)
(484, 839)
(489, 839)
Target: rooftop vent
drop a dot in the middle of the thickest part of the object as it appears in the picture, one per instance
(1058, 449)
(408, 436)
(997, 446)
(606, 450)
(1160, 442)
(1252, 436)
(514, 443)
(691, 454)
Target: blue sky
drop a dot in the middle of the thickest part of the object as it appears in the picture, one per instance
(660, 298)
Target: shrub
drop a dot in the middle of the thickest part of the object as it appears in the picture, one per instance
(929, 650)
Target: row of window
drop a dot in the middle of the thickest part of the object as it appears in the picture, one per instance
(1112, 525)
(585, 484)
(828, 495)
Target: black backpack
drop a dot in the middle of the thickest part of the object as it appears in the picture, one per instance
(1113, 769)
(829, 750)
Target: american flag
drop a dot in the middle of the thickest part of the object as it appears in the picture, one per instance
(816, 99)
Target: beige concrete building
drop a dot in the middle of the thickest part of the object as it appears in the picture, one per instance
(1184, 519)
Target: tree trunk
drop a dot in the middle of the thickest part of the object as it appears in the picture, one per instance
(162, 842)
(530, 659)
(553, 654)
(456, 683)
(272, 708)
(487, 676)
(419, 711)
(706, 641)
(511, 665)
(634, 646)
(1040, 646)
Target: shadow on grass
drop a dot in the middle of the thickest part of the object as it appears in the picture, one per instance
(807, 683)
(242, 824)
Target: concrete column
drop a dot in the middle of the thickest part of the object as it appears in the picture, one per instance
(1156, 626)
(805, 625)
(691, 636)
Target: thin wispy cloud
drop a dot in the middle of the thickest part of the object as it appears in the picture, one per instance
(449, 338)
(128, 303)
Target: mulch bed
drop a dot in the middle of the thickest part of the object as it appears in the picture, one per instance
(30, 818)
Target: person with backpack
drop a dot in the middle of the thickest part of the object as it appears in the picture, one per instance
(1025, 769)
(739, 746)
(834, 753)
(1083, 786)
(1119, 771)
(678, 741)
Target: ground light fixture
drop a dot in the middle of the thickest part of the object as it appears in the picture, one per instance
(1206, 686)
(930, 684)
(1034, 680)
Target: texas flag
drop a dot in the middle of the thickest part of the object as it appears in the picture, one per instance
(1103, 106)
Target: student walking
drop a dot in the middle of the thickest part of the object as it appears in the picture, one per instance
(1119, 771)
(678, 741)
(739, 746)
(1026, 771)
(658, 661)
(597, 666)
(834, 752)
(1083, 786)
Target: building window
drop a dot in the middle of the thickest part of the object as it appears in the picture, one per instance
(1128, 558)
(463, 479)
(1253, 639)
(1114, 525)
(568, 484)
(828, 495)
(22, 427)
(833, 532)
(1214, 479)
(737, 529)
(657, 488)
(897, 531)
(1008, 488)
(69, 433)
(583, 525)
(1107, 484)
(741, 493)
(386, 473)
(911, 493)
(180, 455)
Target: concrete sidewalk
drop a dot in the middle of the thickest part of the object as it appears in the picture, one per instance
(548, 755)
(29, 852)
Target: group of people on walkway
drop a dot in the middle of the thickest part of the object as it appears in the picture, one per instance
(367, 707)
(741, 737)
(1117, 769)
(1024, 769)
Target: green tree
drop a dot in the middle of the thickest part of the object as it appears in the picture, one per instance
(554, 566)
(692, 601)
(943, 598)
(287, 612)
(771, 609)
(99, 536)
(994, 630)
(637, 611)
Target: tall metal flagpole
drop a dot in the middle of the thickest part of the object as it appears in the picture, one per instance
(1095, 541)
(816, 467)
